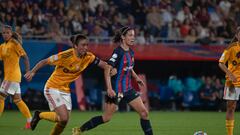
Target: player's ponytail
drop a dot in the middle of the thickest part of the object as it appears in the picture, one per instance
(121, 32)
(234, 39)
(17, 37)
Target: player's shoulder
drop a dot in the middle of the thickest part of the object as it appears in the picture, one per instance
(67, 53)
(232, 45)
(89, 54)
(14, 42)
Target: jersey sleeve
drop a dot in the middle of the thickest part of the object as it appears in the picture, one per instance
(19, 49)
(56, 59)
(114, 58)
(225, 56)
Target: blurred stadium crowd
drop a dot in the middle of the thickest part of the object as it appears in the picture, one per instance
(189, 20)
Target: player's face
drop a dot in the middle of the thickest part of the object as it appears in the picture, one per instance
(82, 47)
(6, 33)
(129, 37)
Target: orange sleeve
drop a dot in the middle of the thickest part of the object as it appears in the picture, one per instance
(19, 49)
(225, 56)
(55, 59)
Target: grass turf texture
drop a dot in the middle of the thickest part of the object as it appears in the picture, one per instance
(127, 123)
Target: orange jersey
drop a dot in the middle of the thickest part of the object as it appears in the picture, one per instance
(10, 53)
(68, 68)
(231, 56)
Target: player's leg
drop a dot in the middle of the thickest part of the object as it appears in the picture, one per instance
(23, 109)
(231, 94)
(138, 105)
(231, 106)
(63, 115)
(110, 108)
(3, 95)
(2, 102)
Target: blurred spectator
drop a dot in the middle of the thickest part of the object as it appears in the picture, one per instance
(208, 95)
(154, 21)
(225, 6)
(140, 39)
(155, 17)
(184, 14)
(177, 86)
(192, 36)
(174, 30)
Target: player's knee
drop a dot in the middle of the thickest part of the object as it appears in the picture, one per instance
(144, 114)
(231, 108)
(16, 100)
(64, 119)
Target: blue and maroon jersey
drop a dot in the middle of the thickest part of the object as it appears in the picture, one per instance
(123, 61)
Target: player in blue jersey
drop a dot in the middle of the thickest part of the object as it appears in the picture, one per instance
(122, 60)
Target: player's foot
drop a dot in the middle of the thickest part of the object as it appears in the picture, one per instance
(27, 125)
(35, 120)
(76, 131)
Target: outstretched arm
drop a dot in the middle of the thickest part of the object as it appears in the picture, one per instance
(26, 63)
(107, 77)
(39, 65)
(228, 72)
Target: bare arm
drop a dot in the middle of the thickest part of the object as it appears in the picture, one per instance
(26, 63)
(39, 65)
(228, 73)
(107, 77)
(138, 80)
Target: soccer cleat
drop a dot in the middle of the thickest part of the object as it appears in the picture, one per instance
(27, 125)
(35, 120)
(76, 131)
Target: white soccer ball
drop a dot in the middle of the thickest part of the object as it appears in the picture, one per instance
(200, 133)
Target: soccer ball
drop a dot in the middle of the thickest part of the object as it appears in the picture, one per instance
(200, 133)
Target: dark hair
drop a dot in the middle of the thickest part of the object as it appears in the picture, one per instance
(76, 38)
(121, 32)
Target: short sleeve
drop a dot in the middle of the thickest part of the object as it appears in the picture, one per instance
(114, 58)
(19, 49)
(225, 56)
(56, 59)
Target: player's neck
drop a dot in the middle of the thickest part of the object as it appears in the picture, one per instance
(124, 47)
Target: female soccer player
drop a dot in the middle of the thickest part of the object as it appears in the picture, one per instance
(231, 56)
(123, 60)
(69, 65)
(10, 52)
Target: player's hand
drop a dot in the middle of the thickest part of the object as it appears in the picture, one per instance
(113, 71)
(29, 76)
(233, 78)
(140, 82)
(111, 93)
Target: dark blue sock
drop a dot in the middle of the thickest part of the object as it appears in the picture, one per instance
(146, 127)
(92, 123)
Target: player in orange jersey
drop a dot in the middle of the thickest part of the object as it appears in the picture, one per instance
(231, 56)
(10, 53)
(69, 65)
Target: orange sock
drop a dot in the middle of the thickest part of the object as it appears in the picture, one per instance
(24, 110)
(58, 128)
(50, 116)
(1, 106)
(229, 127)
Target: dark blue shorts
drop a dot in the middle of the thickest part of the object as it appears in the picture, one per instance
(128, 96)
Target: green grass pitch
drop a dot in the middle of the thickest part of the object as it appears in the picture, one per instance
(127, 123)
